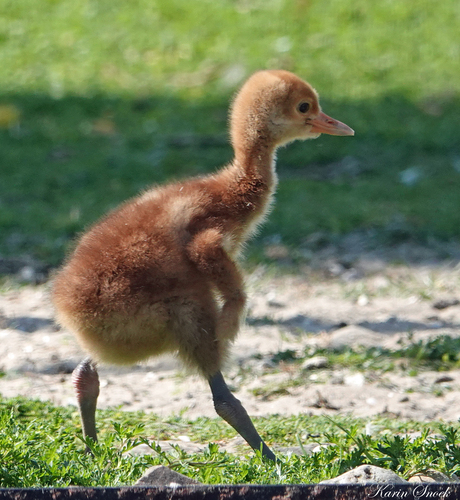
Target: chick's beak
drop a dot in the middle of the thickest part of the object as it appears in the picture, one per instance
(324, 124)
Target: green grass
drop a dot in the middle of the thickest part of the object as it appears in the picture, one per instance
(39, 446)
(440, 353)
(99, 99)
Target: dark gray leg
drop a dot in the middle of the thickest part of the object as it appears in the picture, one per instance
(232, 411)
(86, 382)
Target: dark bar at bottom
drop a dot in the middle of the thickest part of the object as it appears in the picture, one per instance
(424, 491)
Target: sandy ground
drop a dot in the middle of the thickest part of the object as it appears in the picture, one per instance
(369, 303)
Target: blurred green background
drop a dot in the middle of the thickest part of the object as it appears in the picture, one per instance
(101, 98)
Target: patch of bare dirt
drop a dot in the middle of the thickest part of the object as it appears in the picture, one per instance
(368, 303)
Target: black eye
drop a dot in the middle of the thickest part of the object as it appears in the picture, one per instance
(303, 107)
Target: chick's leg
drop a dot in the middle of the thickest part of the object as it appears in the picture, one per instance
(207, 251)
(86, 382)
(233, 412)
(211, 259)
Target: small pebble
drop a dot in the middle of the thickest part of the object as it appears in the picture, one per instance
(355, 380)
(315, 363)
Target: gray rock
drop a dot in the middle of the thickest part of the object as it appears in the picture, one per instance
(315, 363)
(159, 475)
(366, 474)
(307, 449)
(430, 476)
(353, 336)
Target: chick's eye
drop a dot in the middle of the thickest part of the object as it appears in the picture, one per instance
(303, 107)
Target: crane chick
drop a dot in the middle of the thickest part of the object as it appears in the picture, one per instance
(158, 274)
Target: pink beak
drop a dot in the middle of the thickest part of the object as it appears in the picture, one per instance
(324, 124)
